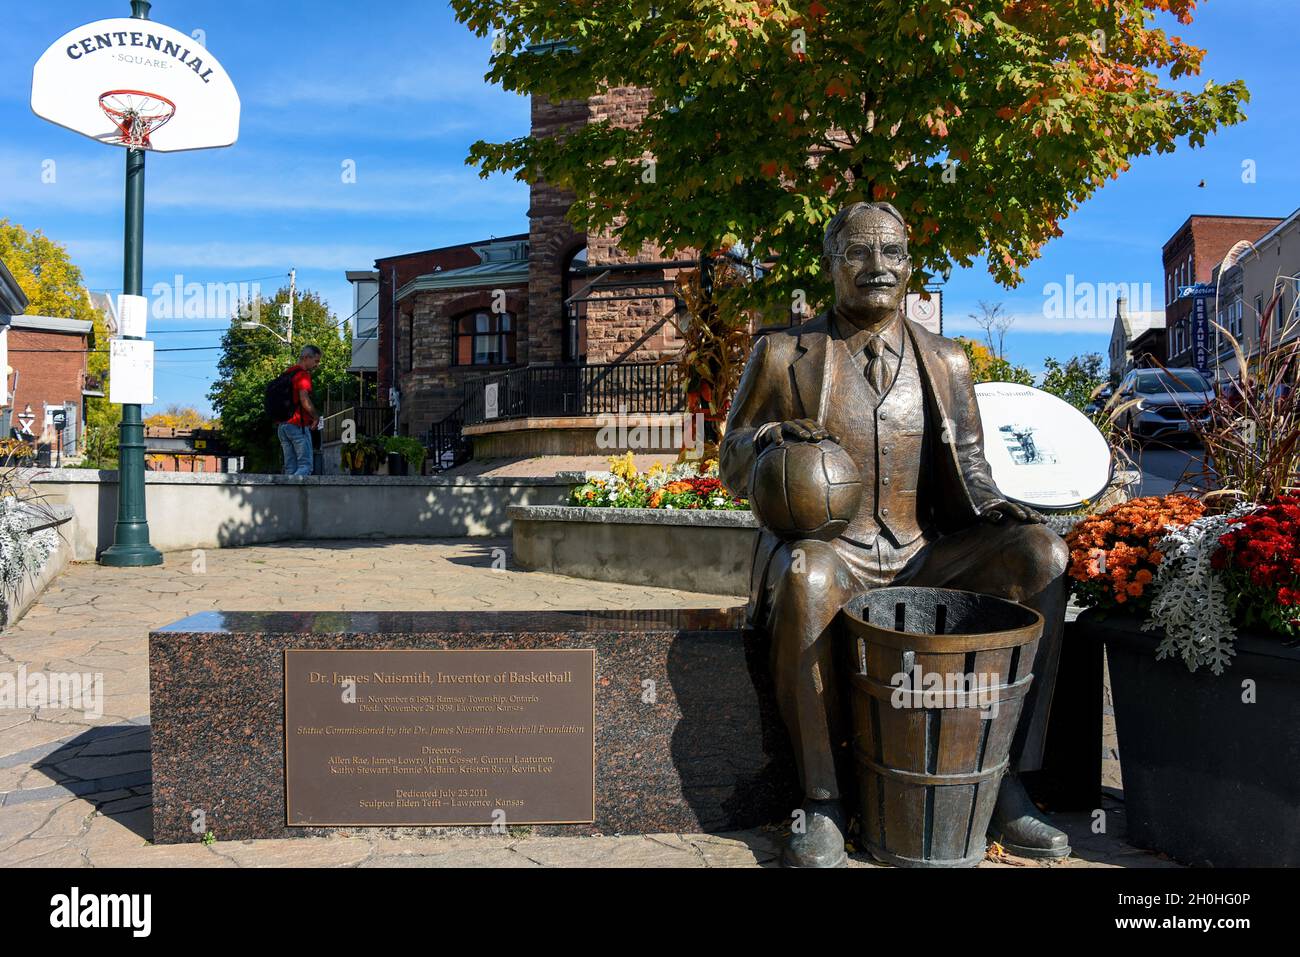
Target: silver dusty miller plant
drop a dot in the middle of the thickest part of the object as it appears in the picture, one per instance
(23, 553)
(1189, 600)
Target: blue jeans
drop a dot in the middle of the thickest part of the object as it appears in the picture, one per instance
(298, 455)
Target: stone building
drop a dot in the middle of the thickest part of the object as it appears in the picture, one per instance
(553, 306)
(1128, 330)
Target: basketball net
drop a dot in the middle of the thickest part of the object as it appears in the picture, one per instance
(136, 115)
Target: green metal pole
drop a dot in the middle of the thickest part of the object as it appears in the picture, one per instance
(131, 548)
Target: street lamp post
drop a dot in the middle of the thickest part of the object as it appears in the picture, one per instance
(131, 547)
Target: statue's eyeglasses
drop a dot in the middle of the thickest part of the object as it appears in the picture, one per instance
(858, 253)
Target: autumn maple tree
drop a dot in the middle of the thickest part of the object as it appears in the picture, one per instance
(985, 121)
(54, 286)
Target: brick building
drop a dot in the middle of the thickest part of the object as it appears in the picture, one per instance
(47, 357)
(1190, 257)
(552, 299)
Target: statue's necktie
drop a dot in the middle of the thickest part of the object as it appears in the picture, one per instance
(876, 364)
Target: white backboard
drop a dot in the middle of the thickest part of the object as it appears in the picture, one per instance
(136, 55)
(1043, 451)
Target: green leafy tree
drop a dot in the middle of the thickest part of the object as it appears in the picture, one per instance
(985, 366)
(251, 358)
(985, 121)
(54, 287)
(1076, 381)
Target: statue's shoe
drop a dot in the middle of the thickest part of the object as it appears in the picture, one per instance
(821, 844)
(1019, 826)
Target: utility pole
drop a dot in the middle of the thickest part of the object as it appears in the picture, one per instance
(293, 291)
(131, 547)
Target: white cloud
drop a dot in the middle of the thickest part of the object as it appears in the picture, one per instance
(1034, 322)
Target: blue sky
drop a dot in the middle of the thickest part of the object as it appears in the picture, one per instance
(397, 88)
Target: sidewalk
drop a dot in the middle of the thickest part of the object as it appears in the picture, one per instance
(74, 791)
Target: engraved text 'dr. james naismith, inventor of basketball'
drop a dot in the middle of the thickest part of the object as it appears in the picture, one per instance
(901, 403)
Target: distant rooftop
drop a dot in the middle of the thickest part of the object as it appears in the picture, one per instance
(80, 327)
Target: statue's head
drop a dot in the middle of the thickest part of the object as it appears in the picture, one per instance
(866, 251)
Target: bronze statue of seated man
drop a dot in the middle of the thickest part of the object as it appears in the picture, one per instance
(900, 400)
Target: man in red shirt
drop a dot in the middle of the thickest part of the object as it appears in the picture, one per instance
(295, 434)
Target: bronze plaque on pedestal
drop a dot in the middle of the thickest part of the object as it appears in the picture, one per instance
(413, 737)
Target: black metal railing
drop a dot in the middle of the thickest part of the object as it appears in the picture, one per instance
(447, 446)
(368, 419)
(574, 390)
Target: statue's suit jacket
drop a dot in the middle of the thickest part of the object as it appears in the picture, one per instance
(790, 375)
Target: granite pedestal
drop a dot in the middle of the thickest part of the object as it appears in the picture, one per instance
(705, 750)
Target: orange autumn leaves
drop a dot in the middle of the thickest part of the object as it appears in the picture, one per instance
(1113, 555)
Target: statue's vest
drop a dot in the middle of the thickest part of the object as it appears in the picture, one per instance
(889, 445)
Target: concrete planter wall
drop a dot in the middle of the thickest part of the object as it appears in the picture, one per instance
(702, 551)
(32, 588)
(189, 510)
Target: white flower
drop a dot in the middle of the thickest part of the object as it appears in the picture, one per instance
(1188, 598)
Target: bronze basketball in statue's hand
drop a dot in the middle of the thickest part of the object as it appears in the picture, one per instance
(797, 430)
(805, 489)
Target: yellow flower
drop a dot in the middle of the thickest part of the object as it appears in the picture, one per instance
(623, 466)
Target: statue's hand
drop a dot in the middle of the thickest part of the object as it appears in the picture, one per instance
(1001, 511)
(795, 430)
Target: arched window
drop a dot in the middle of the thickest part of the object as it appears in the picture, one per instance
(485, 338)
(574, 325)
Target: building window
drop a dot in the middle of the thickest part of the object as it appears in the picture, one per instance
(485, 339)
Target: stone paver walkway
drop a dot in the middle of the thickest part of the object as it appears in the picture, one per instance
(74, 789)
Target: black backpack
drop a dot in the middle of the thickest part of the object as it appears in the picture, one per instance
(278, 401)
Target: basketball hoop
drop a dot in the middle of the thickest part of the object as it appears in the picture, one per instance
(136, 115)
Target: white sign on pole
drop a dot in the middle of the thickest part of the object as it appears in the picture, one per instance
(132, 316)
(1042, 451)
(130, 372)
(491, 408)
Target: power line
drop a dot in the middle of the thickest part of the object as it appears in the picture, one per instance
(225, 282)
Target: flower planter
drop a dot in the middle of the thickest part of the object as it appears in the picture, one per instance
(709, 551)
(1209, 779)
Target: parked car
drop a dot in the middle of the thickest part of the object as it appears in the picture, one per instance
(1098, 402)
(1169, 400)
